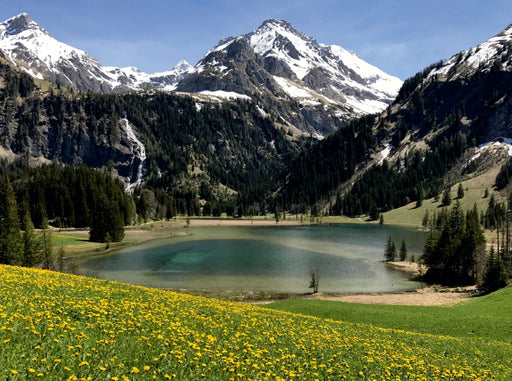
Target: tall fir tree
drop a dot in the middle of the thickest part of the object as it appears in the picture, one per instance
(403, 250)
(390, 250)
(11, 244)
(31, 247)
(447, 198)
(460, 191)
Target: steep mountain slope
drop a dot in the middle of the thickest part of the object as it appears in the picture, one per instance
(179, 144)
(310, 85)
(33, 49)
(442, 127)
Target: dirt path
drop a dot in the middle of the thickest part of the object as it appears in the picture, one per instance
(430, 296)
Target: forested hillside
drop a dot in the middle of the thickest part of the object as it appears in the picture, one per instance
(433, 126)
(218, 155)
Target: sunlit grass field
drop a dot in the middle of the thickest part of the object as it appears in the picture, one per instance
(58, 326)
(486, 317)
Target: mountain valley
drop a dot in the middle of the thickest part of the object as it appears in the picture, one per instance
(270, 119)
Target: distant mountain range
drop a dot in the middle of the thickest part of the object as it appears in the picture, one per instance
(381, 143)
(310, 86)
(33, 49)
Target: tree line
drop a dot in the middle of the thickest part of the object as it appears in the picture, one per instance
(60, 196)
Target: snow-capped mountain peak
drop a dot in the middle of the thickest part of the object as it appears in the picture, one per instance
(277, 38)
(30, 47)
(19, 24)
(349, 78)
(276, 64)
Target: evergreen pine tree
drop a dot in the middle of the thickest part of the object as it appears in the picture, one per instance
(11, 243)
(460, 191)
(495, 276)
(426, 218)
(421, 197)
(403, 251)
(447, 199)
(390, 250)
(374, 212)
(31, 247)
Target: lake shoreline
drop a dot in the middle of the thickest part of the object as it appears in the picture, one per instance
(426, 296)
(135, 235)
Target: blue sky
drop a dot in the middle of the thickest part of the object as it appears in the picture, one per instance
(400, 37)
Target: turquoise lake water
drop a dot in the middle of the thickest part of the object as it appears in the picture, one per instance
(274, 258)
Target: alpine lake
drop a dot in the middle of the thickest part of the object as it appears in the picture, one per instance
(348, 257)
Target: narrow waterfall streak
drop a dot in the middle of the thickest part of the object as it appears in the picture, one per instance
(139, 150)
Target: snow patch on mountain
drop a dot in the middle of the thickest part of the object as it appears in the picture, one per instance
(500, 143)
(481, 57)
(225, 95)
(295, 91)
(373, 76)
(384, 154)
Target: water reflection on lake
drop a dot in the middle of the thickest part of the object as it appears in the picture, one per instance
(275, 258)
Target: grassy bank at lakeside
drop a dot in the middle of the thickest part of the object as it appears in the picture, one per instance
(485, 317)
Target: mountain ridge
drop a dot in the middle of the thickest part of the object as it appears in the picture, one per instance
(29, 46)
(448, 123)
(305, 84)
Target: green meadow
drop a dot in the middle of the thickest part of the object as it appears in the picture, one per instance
(486, 317)
(57, 326)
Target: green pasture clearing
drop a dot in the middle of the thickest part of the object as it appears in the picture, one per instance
(488, 317)
(474, 191)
